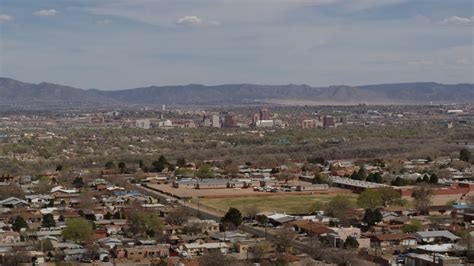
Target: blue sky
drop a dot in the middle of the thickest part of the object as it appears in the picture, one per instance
(118, 44)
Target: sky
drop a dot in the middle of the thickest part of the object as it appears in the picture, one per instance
(119, 44)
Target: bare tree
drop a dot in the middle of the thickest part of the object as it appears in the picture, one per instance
(86, 200)
(422, 197)
(316, 249)
(284, 239)
(470, 201)
(216, 258)
(251, 211)
(260, 250)
(178, 216)
(11, 190)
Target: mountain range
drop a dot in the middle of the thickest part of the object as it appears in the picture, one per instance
(22, 95)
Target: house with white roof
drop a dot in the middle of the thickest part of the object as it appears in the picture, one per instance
(13, 202)
(198, 249)
(432, 236)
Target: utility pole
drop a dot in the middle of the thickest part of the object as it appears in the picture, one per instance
(469, 256)
(199, 208)
(265, 226)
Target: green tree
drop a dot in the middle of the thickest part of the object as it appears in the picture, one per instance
(370, 178)
(145, 223)
(117, 215)
(351, 243)
(372, 216)
(321, 179)
(161, 164)
(399, 182)
(109, 165)
(362, 174)
(19, 223)
(426, 178)
(379, 197)
(337, 207)
(204, 172)
(412, 227)
(317, 160)
(122, 166)
(78, 182)
(465, 155)
(108, 216)
(51, 203)
(375, 178)
(378, 178)
(181, 162)
(48, 220)
(274, 171)
(433, 179)
(262, 219)
(355, 176)
(78, 230)
(233, 216)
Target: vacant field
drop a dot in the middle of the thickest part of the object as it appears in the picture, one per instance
(298, 204)
(232, 192)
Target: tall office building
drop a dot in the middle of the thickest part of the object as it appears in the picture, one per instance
(229, 121)
(206, 121)
(328, 121)
(255, 118)
(264, 114)
(308, 123)
(216, 122)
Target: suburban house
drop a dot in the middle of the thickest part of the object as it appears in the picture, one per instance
(13, 202)
(311, 228)
(146, 251)
(443, 236)
(9, 237)
(198, 249)
(393, 240)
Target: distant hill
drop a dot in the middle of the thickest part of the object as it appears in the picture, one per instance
(425, 92)
(20, 94)
(403, 93)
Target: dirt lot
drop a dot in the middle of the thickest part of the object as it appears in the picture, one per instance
(291, 204)
(231, 192)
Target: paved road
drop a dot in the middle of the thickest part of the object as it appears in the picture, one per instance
(208, 213)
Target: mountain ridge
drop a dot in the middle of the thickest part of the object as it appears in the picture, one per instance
(17, 93)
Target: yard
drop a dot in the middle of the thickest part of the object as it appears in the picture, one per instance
(291, 204)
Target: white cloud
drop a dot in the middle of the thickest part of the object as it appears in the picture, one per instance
(104, 21)
(455, 20)
(5, 17)
(195, 21)
(189, 21)
(45, 12)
